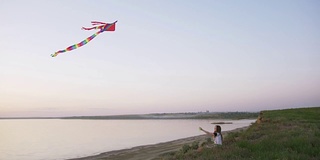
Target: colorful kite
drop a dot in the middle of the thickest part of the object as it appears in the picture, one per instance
(97, 25)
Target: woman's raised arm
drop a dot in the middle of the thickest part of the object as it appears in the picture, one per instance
(208, 133)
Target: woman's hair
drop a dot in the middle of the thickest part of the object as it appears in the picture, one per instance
(219, 131)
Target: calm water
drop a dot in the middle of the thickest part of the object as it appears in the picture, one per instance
(61, 139)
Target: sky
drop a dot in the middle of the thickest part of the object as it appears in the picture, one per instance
(164, 56)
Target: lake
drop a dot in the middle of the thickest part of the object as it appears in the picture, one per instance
(50, 139)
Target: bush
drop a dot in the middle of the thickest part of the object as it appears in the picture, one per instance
(195, 145)
(185, 148)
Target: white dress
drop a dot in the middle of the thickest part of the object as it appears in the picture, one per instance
(217, 139)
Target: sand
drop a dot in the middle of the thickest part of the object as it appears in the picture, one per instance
(150, 152)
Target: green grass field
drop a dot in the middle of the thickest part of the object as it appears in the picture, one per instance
(281, 134)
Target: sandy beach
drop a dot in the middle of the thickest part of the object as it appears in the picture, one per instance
(149, 152)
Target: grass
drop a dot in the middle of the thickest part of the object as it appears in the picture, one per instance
(290, 134)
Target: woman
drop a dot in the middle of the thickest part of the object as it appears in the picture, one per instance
(216, 135)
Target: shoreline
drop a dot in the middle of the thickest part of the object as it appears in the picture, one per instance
(151, 151)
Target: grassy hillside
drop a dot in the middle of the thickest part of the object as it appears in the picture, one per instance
(277, 134)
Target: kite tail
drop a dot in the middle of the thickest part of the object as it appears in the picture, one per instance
(75, 46)
(94, 23)
(96, 27)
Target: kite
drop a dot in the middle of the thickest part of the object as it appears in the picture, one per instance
(96, 25)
